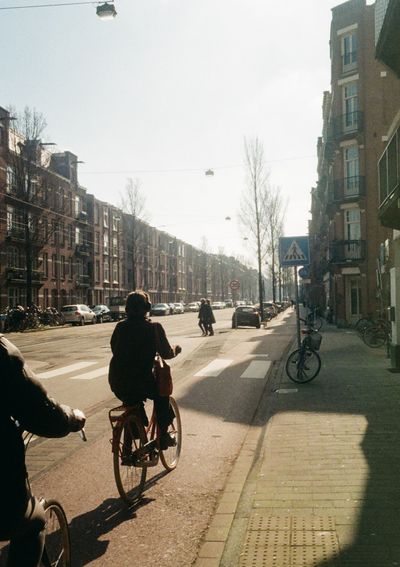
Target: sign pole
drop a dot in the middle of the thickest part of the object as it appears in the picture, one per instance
(297, 307)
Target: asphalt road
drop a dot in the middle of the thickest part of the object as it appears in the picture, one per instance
(218, 382)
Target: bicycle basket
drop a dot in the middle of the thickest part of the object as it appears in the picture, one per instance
(315, 340)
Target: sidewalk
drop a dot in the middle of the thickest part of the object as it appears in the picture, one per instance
(317, 482)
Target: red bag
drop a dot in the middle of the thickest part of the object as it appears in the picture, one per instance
(162, 371)
(162, 374)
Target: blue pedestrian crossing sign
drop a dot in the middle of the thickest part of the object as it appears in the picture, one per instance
(294, 251)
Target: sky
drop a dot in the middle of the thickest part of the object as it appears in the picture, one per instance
(171, 88)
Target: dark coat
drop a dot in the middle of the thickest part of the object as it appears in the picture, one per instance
(23, 400)
(133, 345)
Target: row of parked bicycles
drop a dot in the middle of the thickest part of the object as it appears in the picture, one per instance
(21, 319)
(375, 332)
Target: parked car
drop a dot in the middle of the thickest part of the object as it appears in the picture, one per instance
(179, 308)
(160, 309)
(217, 304)
(78, 314)
(228, 303)
(103, 313)
(171, 308)
(194, 306)
(245, 315)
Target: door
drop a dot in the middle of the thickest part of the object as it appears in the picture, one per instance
(353, 299)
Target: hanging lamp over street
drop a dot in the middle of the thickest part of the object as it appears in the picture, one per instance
(106, 11)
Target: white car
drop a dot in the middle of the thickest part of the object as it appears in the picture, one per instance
(218, 305)
(78, 314)
(194, 306)
(179, 308)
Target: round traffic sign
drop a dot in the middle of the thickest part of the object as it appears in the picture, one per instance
(234, 285)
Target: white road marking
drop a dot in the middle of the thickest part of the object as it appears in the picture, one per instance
(257, 369)
(214, 368)
(93, 374)
(65, 369)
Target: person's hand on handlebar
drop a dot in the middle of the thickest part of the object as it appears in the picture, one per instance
(178, 349)
(78, 420)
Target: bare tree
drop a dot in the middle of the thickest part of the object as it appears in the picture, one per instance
(274, 208)
(253, 212)
(133, 203)
(25, 185)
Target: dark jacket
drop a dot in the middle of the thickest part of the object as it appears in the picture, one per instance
(23, 400)
(133, 345)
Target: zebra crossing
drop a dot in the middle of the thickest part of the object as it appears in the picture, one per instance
(83, 370)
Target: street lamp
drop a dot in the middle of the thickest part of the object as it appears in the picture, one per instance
(209, 173)
(106, 10)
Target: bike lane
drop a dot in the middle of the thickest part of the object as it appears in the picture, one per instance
(167, 525)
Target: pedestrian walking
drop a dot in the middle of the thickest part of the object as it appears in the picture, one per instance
(203, 317)
(209, 319)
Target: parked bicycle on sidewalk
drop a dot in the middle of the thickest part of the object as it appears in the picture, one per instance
(304, 363)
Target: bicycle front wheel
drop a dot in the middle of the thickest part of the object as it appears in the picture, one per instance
(57, 546)
(374, 337)
(170, 457)
(303, 365)
(129, 478)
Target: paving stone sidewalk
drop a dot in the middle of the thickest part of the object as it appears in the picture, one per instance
(317, 482)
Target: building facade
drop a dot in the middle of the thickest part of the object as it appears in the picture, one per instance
(61, 245)
(349, 244)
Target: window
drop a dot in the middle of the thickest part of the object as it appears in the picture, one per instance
(61, 233)
(97, 271)
(46, 265)
(77, 235)
(97, 243)
(63, 267)
(54, 266)
(352, 224)
(105, 218)
(71, 268)
(115, 246)
(355, 297)
(115, 220)
(10, 218)
(115, 272)
(96, 214)
(106, 272)
(46, 297)
(77, 205)
(350, 106)
(349, 51)
(105, 244)
(70, 233)
(11, 179)
(351, 171)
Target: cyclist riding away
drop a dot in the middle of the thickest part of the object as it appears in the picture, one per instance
(25, 405)
(134, 344)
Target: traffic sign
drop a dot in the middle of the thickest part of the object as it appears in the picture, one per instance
(294, 251)
(304, 272)
(234, 285)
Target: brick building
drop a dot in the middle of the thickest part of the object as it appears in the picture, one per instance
(61, 245)
(349, 244)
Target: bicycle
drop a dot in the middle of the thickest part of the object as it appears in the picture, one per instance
(136, 447)
(57, 547)
(377, 334)
(313, 320)
(304, 363)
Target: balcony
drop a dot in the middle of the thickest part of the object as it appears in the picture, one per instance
(346, 125)
(347, 189)
(82, 250)
(83, 281)
(389, 184)
(347, 251)
(389, 210)
(15, 234)
(18, 276)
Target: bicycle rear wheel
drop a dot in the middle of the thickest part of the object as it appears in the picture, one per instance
(374, 337)
(303, 365)
(57, 547)
(170, 457)
(129, 478)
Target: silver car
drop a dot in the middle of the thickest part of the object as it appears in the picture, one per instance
(78, 314)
